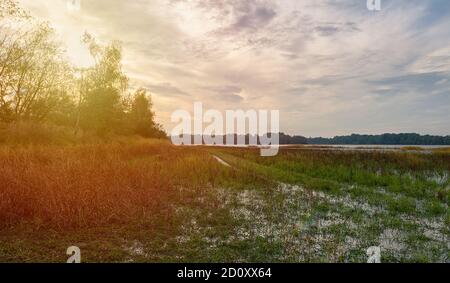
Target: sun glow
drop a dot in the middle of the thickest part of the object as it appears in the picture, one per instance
(193, 21)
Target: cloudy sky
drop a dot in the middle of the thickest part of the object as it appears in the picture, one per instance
(331, 67)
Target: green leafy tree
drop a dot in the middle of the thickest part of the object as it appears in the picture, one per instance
(34, 75)
(142, 116)
(101, 112)
(101, 109)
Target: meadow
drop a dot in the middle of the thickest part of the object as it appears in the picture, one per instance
(140, 200)
(84, 162)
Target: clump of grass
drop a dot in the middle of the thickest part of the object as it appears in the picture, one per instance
(401, 205)
(435, 208)
(412, 148)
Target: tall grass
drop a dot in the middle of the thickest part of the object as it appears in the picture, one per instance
(26, 133)
(91, 185)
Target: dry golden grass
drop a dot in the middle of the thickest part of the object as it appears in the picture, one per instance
(412, 148)
(92, 185)
(442, 150)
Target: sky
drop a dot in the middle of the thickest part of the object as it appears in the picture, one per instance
(331, 67)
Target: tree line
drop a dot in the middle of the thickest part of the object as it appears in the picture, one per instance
(39, 85)
(384, 139)
(354, 139)
(247, 139)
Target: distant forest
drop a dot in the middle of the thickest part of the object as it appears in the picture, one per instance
(385, 139)
(355, 139)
